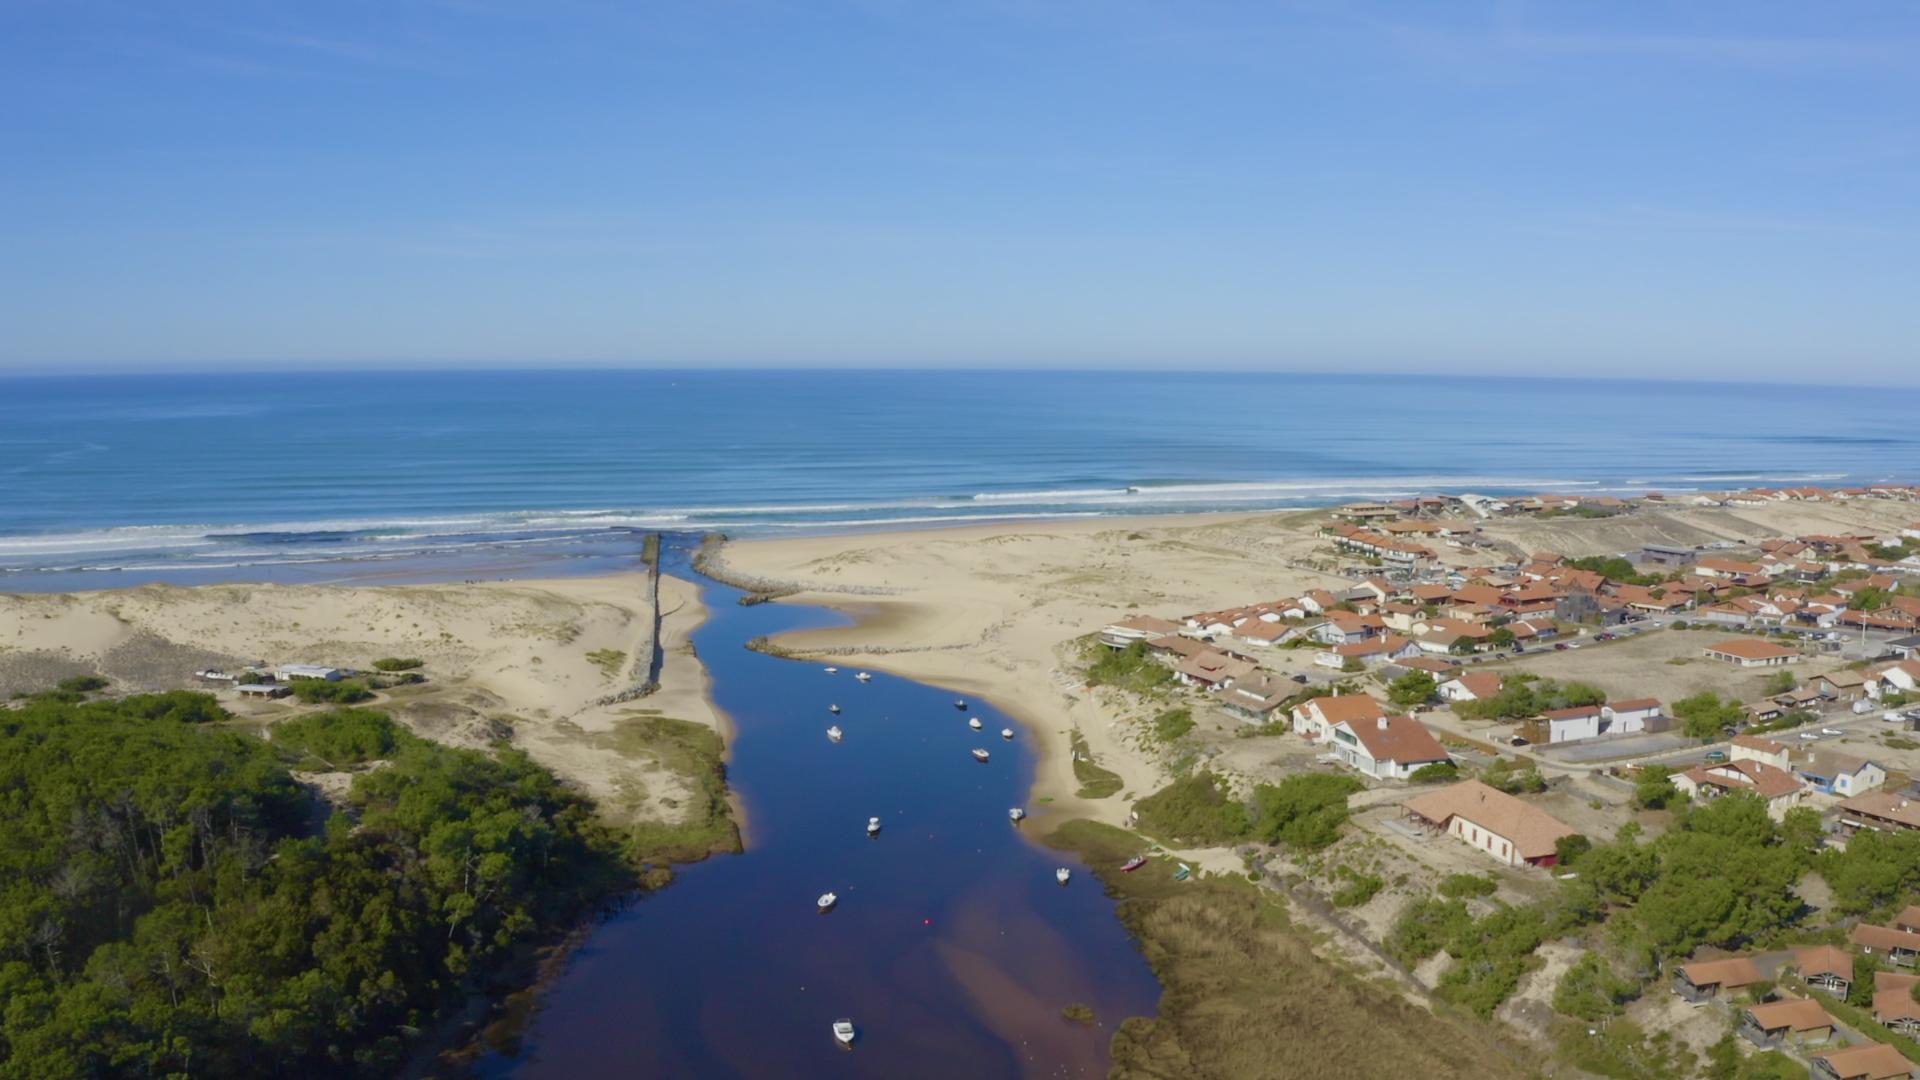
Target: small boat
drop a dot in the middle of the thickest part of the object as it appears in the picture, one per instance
(1006, 733)
(979, 755)
(834, 709)
(826, 902)
(974, 723)
(834, 733)
(1133, 864)
(1015, 813)
(1182, 872)
(863, 676)
(960, 703)
(1062, 875)
(843, 1032)
(873, 826)
(833, 671)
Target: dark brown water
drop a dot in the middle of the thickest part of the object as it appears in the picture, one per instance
(952, 949)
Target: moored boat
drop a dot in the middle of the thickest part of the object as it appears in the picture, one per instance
(960, 703)
(974, 723)
(843, 1032)
(1006, 733)
(834, 733)
(1133, 864)
(1015, 813)
(1062, 875)
(833, 671)
(979, 755)
(826, 902)
(862, 676)
(873, 826)
(835, 709)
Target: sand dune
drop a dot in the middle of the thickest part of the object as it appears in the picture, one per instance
(520, 660)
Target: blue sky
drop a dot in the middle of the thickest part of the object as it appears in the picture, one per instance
(1704, 190)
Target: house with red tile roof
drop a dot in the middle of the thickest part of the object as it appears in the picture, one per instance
(1386, 748)
(1314, 718)
(1471, 686)
(1511, 830)
(1780, 789)
(1752, 652)
(1868, 1061)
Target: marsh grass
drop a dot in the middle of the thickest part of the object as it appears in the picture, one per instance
(689, 750)
(1095, 782)
(1244, 995)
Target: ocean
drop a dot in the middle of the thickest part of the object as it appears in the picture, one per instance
(116, 480)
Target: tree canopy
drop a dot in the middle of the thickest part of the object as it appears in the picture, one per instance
(167, 906)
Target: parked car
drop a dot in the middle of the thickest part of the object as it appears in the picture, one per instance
(1809, 735)
(1830, 731)
(1561, 646)
(1715, 757)
(1301, 679)
(1604, 637)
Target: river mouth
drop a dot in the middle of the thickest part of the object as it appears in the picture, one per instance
(952, 947)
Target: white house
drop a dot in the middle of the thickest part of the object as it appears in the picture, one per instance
(1472, 686)
(1580, 722)
(1625, 717)
(293, 672)
(1492, 821)
(1317, 716)
(1901, 676)
(1781, 790)
(1840, 774)
(1126, 631)
(1755, 748)
(1386, 748)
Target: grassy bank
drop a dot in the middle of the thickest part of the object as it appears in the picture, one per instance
(1243, 995)
(691, 751)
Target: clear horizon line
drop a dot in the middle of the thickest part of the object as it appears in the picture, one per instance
(321, 367)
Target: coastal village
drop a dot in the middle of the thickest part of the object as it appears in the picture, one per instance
(1510, 719)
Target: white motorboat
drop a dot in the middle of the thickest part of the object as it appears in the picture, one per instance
(826, 902)
(974, 723)
(834, 733)
(1015, 813)
(979, 755)
(1062, 875)
(1006, 733)
(833, 671)
(834, 709)
(862, 676)
(873, 826)
(843, 1032)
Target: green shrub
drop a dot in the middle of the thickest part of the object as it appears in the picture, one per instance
(1131, 668)
(1172, 724)
(82, 684)
(392, 663)
(1303, 812)
(319, 691)
(1359, 888)
(1437, 773)
(1463, 886)
(1591, 991)
(1193, 810)
(341, 736)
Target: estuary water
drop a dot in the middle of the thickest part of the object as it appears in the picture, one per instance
(113, 480)
(952, 948)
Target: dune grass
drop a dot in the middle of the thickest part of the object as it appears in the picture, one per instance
(1244, 996)
(1095, 782)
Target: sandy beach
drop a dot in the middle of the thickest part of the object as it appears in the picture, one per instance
(523, 660)
(991, 611)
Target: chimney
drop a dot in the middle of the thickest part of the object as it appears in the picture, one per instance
(1382, 722)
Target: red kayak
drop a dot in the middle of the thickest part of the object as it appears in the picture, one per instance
(1133, 864)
